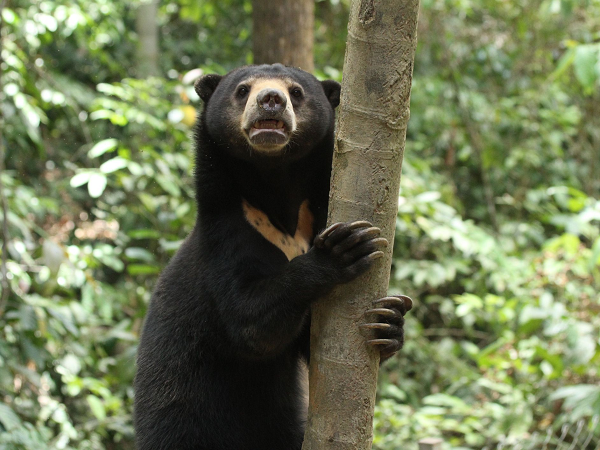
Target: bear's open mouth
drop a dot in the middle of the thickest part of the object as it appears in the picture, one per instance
(267, 126)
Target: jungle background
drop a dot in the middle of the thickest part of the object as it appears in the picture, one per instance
(497, 232)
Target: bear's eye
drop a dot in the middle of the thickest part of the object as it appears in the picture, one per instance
(296, 92)
(243, 91)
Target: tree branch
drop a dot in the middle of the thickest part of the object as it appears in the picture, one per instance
(4, 203)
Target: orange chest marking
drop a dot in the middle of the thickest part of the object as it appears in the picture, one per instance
(291, 246)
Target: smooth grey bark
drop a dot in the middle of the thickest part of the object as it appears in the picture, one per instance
(283, 32)
(372, 121)
(146, 27)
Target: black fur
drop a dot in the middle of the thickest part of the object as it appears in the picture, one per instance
(228, 322)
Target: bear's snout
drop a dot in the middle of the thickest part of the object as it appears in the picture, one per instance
(271, 100)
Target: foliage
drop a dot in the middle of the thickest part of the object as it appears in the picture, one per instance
(497, 232)
(498, 227)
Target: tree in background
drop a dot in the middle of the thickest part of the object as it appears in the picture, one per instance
(146, 27)
(371, 132)
(282, 32)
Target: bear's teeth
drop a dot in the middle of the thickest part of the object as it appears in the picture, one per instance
(268, 124)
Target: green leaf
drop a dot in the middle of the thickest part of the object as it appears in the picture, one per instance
(564, 63)
(9, 16)
(139, 253)
(428, 197)
(595, 257)
(586, 58)
(100, 148)
(170, 246)
(577, 395)
(97, 407)
(112, 165)
(70, 365)
(65, 319)
(148, 201)
(182, 210)
(144, 233)
(96, 185)
(393, 391)
(168, 185)
(8, 418)
(113, 262)
(80, 179)
(142, 269)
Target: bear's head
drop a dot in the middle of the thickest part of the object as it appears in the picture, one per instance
(268, 111)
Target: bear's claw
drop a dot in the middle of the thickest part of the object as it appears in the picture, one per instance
(375, 326)
(401, 302)
(386, 332)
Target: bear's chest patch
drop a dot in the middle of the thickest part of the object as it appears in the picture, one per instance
(291, 246)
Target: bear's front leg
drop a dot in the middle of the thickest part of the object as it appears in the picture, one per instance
(385, 329)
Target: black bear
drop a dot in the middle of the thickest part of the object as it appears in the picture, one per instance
(219, 362)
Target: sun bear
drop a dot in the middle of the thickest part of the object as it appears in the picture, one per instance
(228, 323)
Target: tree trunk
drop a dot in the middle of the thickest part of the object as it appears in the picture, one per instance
(372, 121)
(283, 32)
(146, 27)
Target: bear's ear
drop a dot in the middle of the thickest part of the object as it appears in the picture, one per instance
(332, 91)
(206, 85)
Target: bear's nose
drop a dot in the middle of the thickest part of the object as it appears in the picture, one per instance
(271, 100)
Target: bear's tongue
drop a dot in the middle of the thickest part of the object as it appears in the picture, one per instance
(268, 124)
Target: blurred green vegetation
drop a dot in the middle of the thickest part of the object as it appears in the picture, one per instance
(497, 234)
